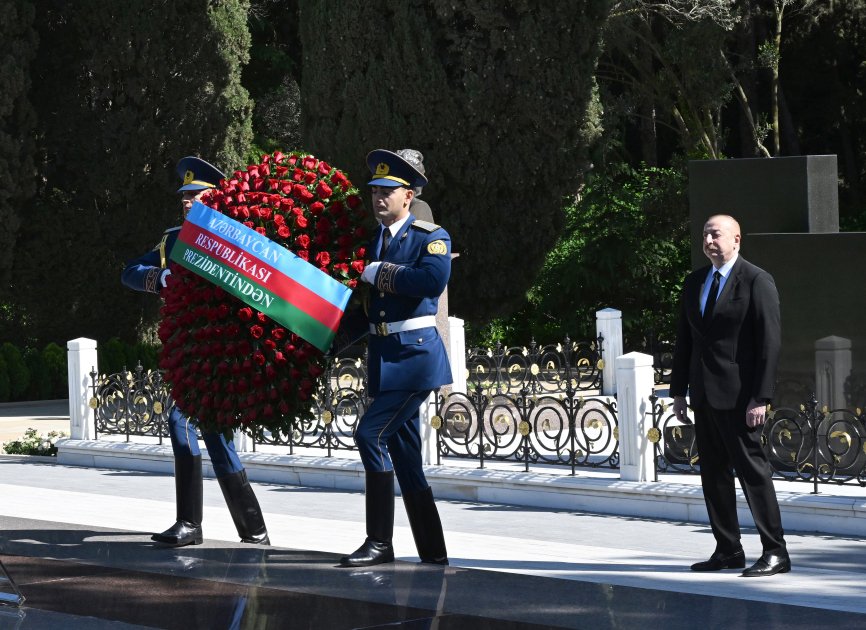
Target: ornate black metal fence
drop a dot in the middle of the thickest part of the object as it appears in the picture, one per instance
(534, 403)
(565, 429)
(804, 444)
(538, 369)
(131, 403)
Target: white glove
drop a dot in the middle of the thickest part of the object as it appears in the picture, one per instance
(369, 273)
(165, 274)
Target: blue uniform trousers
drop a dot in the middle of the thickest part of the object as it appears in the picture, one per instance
(184, 442)
(389, 437)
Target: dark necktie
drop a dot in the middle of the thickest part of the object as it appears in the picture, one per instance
(711, 297)
(386, 240)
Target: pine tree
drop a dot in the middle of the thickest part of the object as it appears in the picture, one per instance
(122, 92)
(495, 94)
(17, 180)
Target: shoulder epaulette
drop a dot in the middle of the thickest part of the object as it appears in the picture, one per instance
(424, 226)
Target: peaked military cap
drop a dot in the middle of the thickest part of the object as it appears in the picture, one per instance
(197, 174)
(390, 170)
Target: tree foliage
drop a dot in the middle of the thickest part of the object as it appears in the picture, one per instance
(625, 245)
(121, 92)
(495, 95)
(17, 180)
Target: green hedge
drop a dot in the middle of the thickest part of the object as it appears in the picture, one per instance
(33, 374)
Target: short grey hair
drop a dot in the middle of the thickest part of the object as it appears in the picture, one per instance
(416, 159)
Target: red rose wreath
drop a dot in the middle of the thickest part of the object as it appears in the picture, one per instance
(229, 365)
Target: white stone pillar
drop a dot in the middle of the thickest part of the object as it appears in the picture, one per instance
(457, 354)
(243, 442)
(608, 324)
(832, 367)
(635, 381)
(428, 433)
(81, 360)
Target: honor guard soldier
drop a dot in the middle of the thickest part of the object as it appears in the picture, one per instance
(410, 267)
(148, 273)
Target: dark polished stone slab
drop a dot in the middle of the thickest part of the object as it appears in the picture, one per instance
(123, 577)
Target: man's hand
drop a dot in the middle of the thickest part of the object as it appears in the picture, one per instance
(681, 409)
(756, 414)
(369, 273)
(163, 276)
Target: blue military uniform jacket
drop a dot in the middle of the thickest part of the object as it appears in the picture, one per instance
(413, 274)
(143, 273)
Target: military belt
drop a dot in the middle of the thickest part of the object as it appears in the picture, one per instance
(389, 328)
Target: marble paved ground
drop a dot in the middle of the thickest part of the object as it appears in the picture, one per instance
(76, 541)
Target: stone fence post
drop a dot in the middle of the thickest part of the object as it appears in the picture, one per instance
(81, 360)
(635, 379)
(832, 368)
(608, 324)
(456, 349)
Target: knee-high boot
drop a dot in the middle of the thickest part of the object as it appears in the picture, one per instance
(244, 508)
(188, 497)
(426, 526)
(377, 548)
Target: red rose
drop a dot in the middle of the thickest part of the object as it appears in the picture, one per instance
(301, 222)
(358, 266)
(262, 231)
(323, 259)
(245, 314)
(310, 163)
(259, 358)
(257, 331)
(323, 190)
(279, 219)
(278, 333)
(303, 254)
(317, 207)
(309, 178)
(303, 241)
(324, 168)
(283, 231)
(354, 201)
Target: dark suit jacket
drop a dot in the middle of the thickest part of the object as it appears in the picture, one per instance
(733, 357)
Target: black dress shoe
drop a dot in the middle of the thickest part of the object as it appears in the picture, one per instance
(372, 552)
(180, 534)
(769, 564)
(719, 561)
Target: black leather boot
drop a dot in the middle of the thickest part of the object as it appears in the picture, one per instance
(188, 496)
(244, 508)
(426, 526)
(377, 549)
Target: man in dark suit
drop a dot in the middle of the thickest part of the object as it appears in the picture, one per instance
(728, 341)
(410, 267)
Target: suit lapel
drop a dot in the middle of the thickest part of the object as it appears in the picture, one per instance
(730, 283)
(397, 240)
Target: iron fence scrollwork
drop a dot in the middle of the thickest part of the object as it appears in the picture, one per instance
(805, 444)
(131, 403)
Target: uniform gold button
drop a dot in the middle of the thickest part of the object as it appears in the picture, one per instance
(381, 294)
(420, 339)
(381, 313)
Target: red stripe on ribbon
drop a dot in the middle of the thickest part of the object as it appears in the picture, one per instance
(280, 284)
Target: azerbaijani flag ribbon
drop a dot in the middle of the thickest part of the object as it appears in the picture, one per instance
(262, 274)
